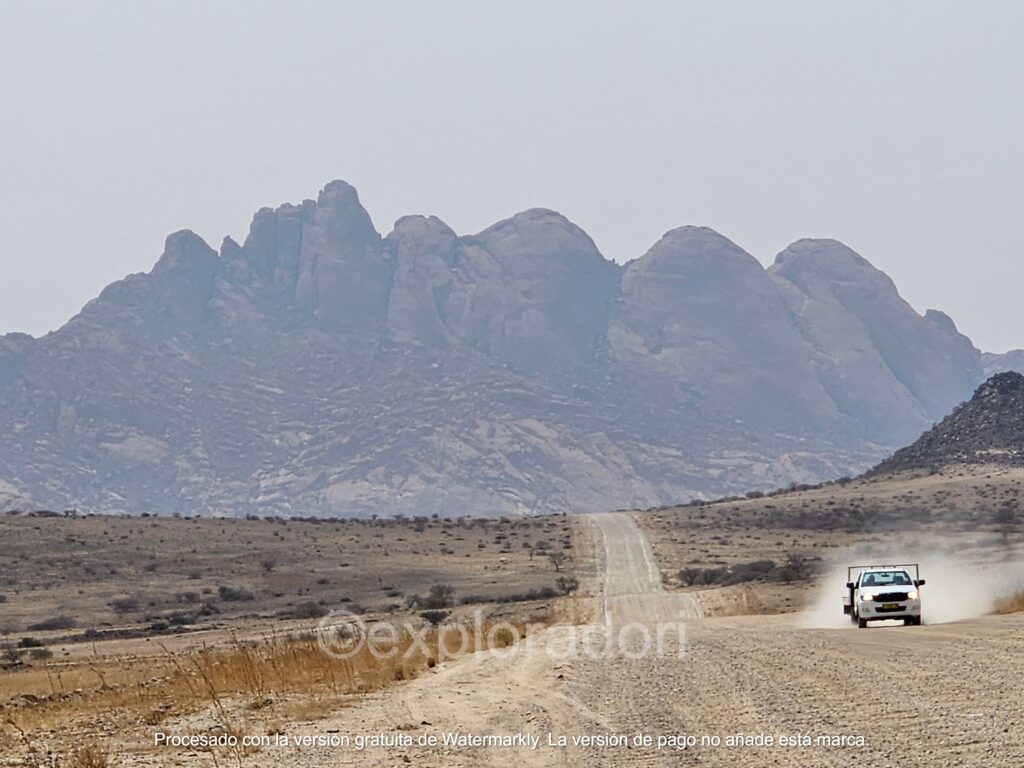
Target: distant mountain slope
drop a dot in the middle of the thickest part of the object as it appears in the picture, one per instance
(321, 368)
(988, 429)
(881, 363)
(1008, 361)
(11, 500)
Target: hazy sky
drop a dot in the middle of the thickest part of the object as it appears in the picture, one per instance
(896, 127)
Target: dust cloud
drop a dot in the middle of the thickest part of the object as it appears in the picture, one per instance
(964, 580)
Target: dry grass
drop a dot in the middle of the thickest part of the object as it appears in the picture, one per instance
(90, 756)
(248, 664)
(230, 688)
(1012, 604)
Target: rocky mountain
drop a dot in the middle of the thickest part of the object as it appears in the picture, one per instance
(992, 363)
(320, 368)
(988, 429)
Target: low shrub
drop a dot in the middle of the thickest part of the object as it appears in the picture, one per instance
(1011, 604)
(504, 637)
(234, 595)
(795, 568)
(124, 605)
(566, 585)
(434, 617)
(308, 609)
(540, 593)
(440, 596)
(52, 624)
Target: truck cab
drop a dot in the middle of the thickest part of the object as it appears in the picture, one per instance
(883, 592)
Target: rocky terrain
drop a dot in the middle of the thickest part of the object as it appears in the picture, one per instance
(988, 429)
(319, 368)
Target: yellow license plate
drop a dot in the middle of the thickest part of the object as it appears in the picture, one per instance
(890, 606)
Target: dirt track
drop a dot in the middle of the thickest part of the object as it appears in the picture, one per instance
(946, 695)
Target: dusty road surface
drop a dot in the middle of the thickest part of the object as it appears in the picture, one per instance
(946, 695)
(632, 590)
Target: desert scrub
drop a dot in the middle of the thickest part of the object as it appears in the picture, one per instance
(1012, 604)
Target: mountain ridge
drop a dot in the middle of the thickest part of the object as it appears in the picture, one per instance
(323, 368)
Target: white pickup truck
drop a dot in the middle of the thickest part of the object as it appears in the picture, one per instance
(881, 592)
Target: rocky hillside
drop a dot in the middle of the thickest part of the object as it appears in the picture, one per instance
(321, 368)
(988, 429)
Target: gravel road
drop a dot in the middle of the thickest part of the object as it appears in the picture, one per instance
(946, 695)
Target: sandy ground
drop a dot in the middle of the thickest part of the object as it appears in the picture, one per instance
(942, 695)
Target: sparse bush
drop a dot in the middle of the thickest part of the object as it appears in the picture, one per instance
(541, 593)
(234, 595)
(440, 596)
(557, 559)
(30, 642)
(688, 576)
(796, 568)
(52, 624)
(124, 605)
(755, 570)
(269, 565)
(1011, 604)
(711, 576)
(40, 654)
(308, 609)
(434, 617)
(504, 637)
(566, 585)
